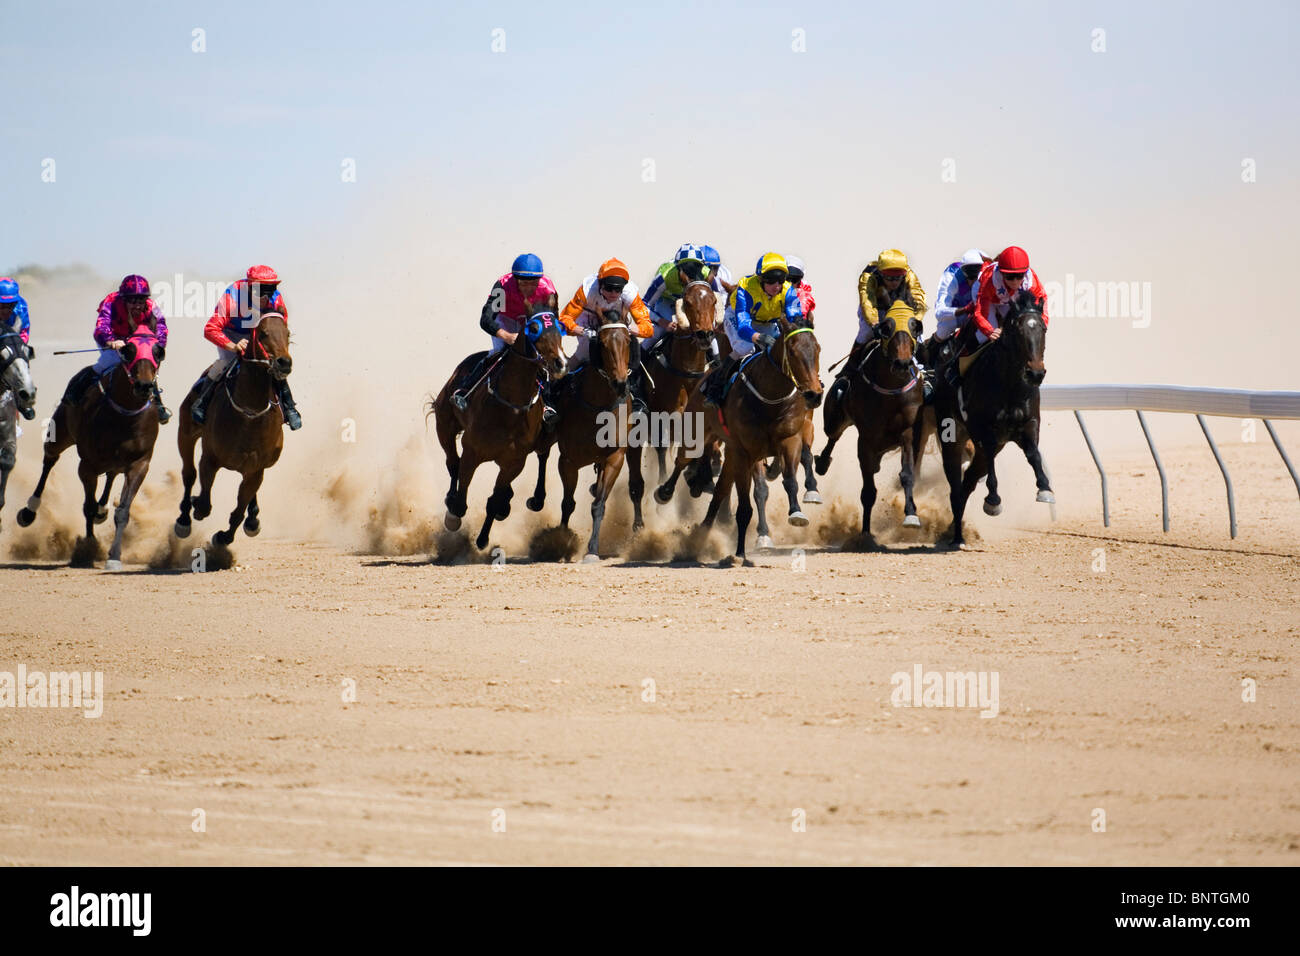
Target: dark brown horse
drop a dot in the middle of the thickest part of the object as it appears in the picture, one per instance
(883, 401)
(502, 420)
(676, 365)
(242, 431)
(17, 396)
(594, 418)
(995, 401)
(114, 427)
(764, 414)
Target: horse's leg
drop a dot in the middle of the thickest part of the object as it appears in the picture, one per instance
(253, 524)
(538, 499)
(700, 480)
(835, 419)
(569, 481)
(186, 438)
(869, 464)
(53, 449)
(101, 506)
(661, 451)
(247, 489)
(447, 428)
(635, 486)
(457, 503)
(604, 488)
(721, 494)
(790, 478)
(760, 502)
(664, 493)
(744, 474)
(89, 480)
(208, 469)
(992, 502)
(907, 475)
(1028, 442)
(498, 503)
(961, 492)
(131, 483)
(812, 496)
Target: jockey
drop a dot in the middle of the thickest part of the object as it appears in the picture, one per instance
(669, 285)
(719, 276)
(751, 318)
(236, 316)
(120, 314)
(512, 300)
(13, 310)
(887, 280)
(999, 282)
(953, 306)
(794, 265)
(610, 288)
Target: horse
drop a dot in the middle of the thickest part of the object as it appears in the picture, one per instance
(242, 431)
(995, 401)
(594, 411)
(763, 414)
(502, 421)
(676, 365)
(17, 396)
(115, 427)
(884, 401)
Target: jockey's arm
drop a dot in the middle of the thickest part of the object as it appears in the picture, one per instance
(104, 323)
(983, 304)
(215, 329)
(917, 293)
(866, 288)
(570, 314)
(1039, 293)
(641, 316)
(160, 326)
(487, 319)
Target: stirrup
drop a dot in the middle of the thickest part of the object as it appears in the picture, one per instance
(459, 400)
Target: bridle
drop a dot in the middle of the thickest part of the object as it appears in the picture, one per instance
(783, 368)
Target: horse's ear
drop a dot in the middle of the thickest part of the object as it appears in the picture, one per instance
(159, 353)
(914, 326)
(128, 353)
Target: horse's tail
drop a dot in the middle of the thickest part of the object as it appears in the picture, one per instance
(430, 406)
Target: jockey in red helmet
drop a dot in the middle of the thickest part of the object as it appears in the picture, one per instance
(237, 314)
(120, 314)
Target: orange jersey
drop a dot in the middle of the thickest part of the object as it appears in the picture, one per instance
(586, 308)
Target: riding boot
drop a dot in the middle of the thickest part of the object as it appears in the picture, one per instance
(460, 397)
(637, 382)
(164, 414)
(78, 384)
(717, 381)
(550, 393)
(199, 410)
(291, 416)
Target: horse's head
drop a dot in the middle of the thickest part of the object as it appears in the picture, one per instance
(269, 343)
(1025, 333)
(614, 339)
(15, 375)
(899, 331)
(800, 358)
(141, 356)
(544, 335)
(698, 311)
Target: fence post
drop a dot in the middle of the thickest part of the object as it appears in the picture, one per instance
(1277, 442)
(1227, 480)
(1164, 485)
(1105, 493)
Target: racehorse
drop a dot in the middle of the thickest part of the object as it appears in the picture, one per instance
(114, 427)
(883, 401)
(995, 401)
(677, 363)
(242, 431)
(594, 408)
(763, 414)
(502, 421)
(17, 396)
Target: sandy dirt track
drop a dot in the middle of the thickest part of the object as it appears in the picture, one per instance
(523, 690)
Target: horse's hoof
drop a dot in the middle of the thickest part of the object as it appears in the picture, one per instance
(450, 522)
(662, 496)
(962, 546)
(798, 519)
(591, 558)
(222, 539)
(112, 564)
(202, 511)
(534, 503)
(1046, 497)
(638, 526)
(911, 521)
(252, 527)
(735, 561)
(101, 516)
(812, 498)
(821, 465)
(773, 470)
(991, 508)
(182, 530)
(25, 517)
(764, 542)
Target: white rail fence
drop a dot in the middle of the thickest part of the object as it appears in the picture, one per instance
(1224, 402)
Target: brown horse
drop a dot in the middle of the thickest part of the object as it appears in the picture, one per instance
(884, 401)
(594, 411)
(764, 414)
(243, 430)
(502, 421)
(677, 363)
(114, 427)
(17, 396)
